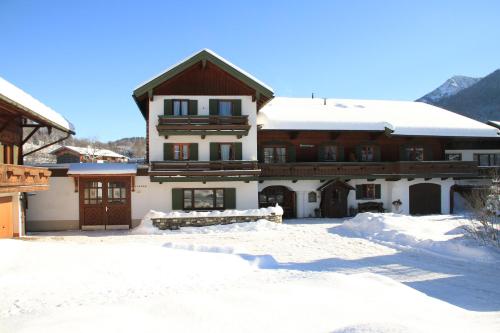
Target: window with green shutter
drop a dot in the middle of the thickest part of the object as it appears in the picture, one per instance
(368, 191)
(225, 151)
(177, 198)
(225, 107)
(167, 107)
(204, 198)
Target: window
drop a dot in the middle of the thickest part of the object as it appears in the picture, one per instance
(92, 193)
(312, 197)
(330, 153)
(453, 156)
(367, 153)
(487, 159)
(226, 151)
(414, 153)
(203, 199)
(117, 193)
(225, 108)
(367, 191)
(181, 107)
(274, 154)
(181, 151)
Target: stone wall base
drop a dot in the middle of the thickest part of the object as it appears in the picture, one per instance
(174, 223)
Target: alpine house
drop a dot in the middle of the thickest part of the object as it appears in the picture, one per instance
(217, 139)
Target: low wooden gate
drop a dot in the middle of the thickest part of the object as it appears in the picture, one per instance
(105, 202)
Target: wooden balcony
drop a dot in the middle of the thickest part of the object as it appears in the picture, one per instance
(20, 178)
(203, 125)
(374, 170)
(172, 171)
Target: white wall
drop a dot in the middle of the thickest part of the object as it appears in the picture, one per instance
(60, 202)
(156, 196)
(249, 142)
(385, 195)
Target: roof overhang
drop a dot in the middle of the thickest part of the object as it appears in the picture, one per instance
(94, 169)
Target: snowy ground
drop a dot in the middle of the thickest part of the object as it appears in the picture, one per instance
(374, 273)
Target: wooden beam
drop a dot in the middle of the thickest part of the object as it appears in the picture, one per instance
(7, 123)
(35, 129)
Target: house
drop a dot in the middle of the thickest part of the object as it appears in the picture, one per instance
(19, 111)
(72, 154)
(218, 138)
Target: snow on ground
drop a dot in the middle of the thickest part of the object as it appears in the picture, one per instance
(310, 275)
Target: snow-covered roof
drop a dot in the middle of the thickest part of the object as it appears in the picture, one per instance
(89, 151)
(19, 98)
(212, 53)
(399, 117)
(495, 123)
(102, 168)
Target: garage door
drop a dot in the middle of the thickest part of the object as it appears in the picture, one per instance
(425, 199)
(6, 217)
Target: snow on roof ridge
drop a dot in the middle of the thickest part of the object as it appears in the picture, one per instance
(18, 96)
(213, 54)
(97, 152)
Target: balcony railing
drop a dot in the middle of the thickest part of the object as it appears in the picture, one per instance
(20, 178)
(319, 170)
(203, 125)
(204, 170)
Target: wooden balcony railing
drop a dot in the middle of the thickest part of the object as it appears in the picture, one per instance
(319, 170)
(203, 125)
(20, 178)
(203, 170)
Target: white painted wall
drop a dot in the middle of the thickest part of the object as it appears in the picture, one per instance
(59, 203)
(385, 195)
(156, 196)
(468, 154)
(249, 142)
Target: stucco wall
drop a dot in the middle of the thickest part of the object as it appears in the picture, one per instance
(249, 142)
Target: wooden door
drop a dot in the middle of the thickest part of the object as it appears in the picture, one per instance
(334, 201)
(105, 201)
(272, 195)
(118, 204)
(6, 230)
(425, 199)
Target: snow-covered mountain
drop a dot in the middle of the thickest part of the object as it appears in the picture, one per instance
(450, 87)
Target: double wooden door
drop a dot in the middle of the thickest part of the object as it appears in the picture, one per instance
(105, 202)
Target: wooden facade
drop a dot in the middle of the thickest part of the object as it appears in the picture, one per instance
(203, 125)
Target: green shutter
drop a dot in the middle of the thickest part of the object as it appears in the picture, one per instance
(168, 151)
(230, 198)
(214, 151)
(290, 153)
(260, 154)
(376, 150)
(321, 152)
(340, 153)
(358, 153)
(359, 192)
(177, 198)
(168, 110)
(193, 152)
(236, 108)
(238, 151)
(193, 107)
(377, 191)
(213, 106)
(428, 153)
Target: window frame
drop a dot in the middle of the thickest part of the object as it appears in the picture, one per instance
(312, 196)
(325, 158)
(188, 145)
(180, 107)
(214, 201)
(493, 159)
(231, 103)
(373, 147)
(364, 192)
(447, 156)
(413, 148)
(232, 152)
(274, 159)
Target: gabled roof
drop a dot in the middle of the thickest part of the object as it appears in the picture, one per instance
(34, 109)
(395, 117)
(204, 55)
(89, 151)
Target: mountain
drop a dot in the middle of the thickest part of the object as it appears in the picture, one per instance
(479, 101)
(134, 147)
(449, 88)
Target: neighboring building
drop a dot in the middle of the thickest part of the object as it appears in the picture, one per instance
(18, 110)
(218, 139)
(71, 154)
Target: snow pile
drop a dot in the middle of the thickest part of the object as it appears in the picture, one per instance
(440, 235)
(146, 226)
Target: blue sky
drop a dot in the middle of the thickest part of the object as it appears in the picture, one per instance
(84, 58)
